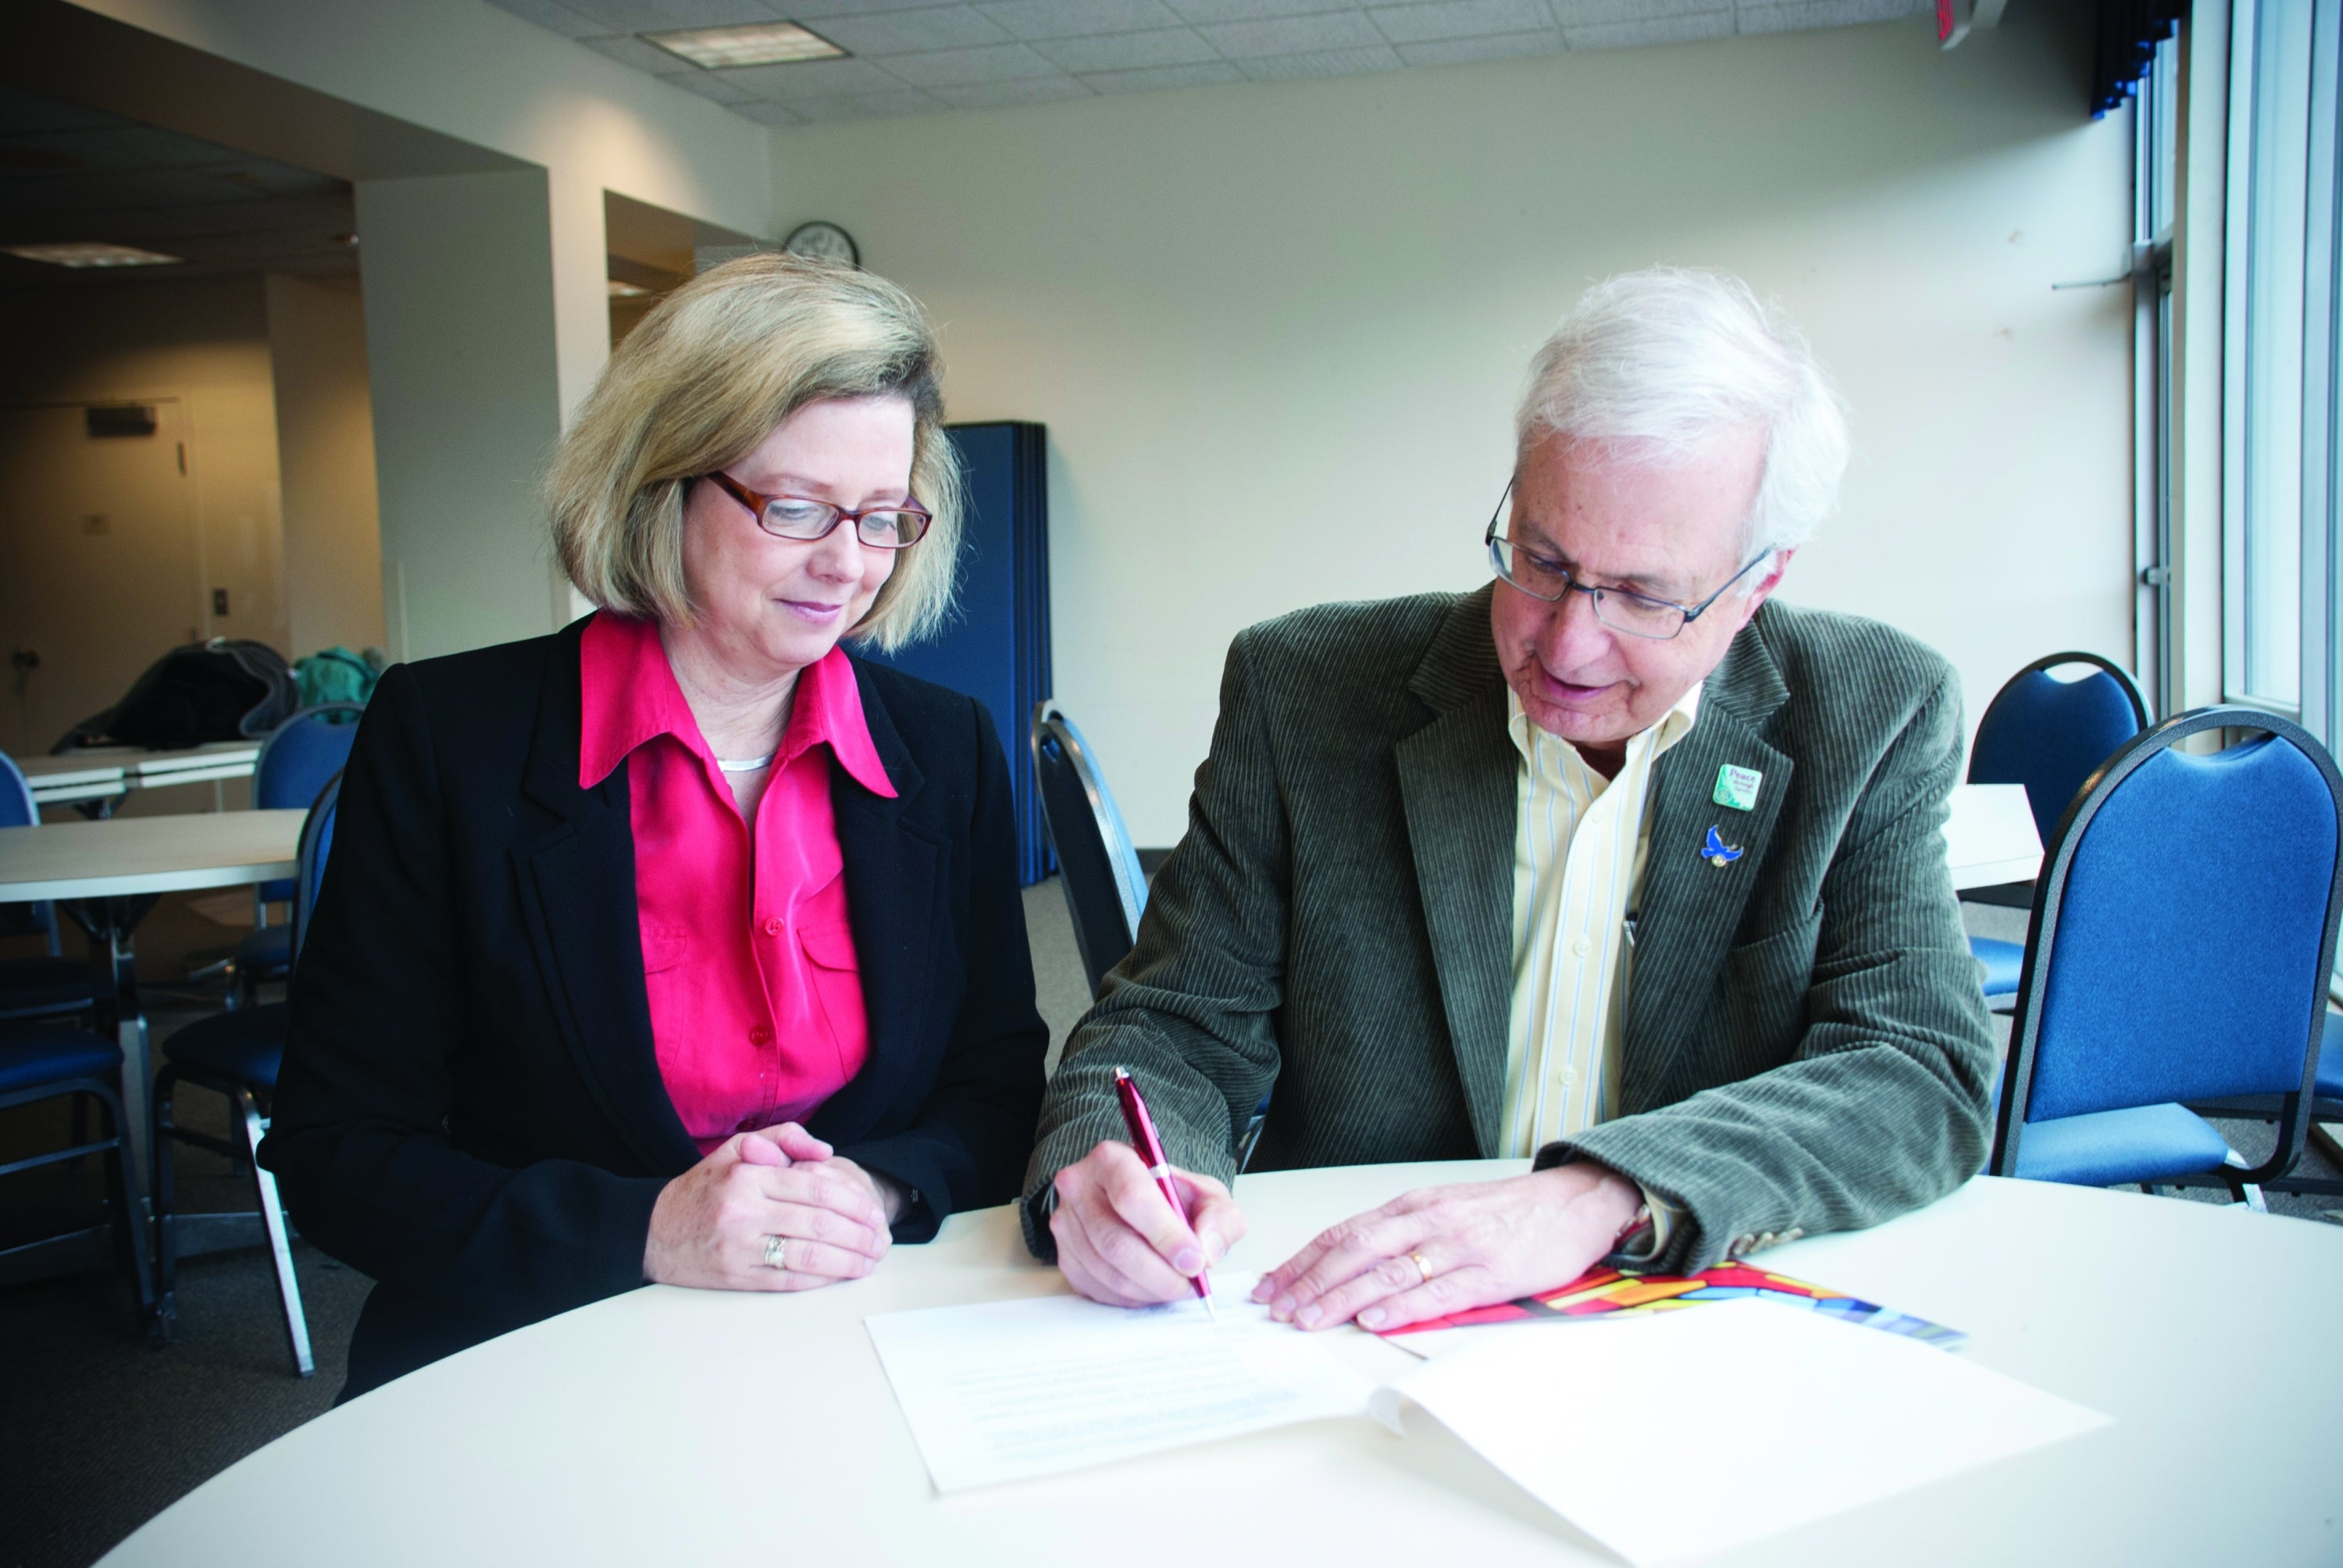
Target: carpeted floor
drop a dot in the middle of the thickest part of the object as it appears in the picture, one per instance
(103, 1430)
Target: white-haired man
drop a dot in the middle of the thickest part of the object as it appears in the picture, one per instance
(1613, 863)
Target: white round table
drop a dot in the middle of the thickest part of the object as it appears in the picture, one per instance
(689, 1427)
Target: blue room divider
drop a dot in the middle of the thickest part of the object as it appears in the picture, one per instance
(996, 645)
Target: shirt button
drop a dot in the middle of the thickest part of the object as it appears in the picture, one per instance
(1582, 947)
(772, 925)
(760, 1035)
(1570, 1078)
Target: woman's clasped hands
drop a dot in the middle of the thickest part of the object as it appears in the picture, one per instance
(771, 1210)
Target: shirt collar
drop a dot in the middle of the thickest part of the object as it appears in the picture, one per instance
(631, 697)
(1672, 727)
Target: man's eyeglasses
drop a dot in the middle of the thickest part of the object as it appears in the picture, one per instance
(1621, 609)
(890, 528)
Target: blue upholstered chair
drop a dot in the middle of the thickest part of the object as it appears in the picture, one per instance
(50, 987)
(2185, 929)
(294, 761)
(1106, 893)
(48, 1062)
(236, 1054)
(2050, 735)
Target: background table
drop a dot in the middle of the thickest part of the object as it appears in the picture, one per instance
(102, 772)
(1990, 838)
(111, 871)
(683, 1426)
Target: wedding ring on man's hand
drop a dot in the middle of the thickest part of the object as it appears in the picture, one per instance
(776, 1252)
(1421, 1266)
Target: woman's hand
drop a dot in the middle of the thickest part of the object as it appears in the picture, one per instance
(711, 1226)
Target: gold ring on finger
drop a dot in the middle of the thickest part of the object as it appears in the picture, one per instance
(1421, 1266)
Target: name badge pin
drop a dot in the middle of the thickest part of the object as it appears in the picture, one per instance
(1736, 788)
(1717, 852)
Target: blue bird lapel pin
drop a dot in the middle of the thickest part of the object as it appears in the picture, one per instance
(1717, 852)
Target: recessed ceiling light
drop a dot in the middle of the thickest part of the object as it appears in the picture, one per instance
(751, 43)
(627, 290)
(92, 253)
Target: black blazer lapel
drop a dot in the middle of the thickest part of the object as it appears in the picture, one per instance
(1458, 789)
(576, 883)
(1691, 907)
(894, 880)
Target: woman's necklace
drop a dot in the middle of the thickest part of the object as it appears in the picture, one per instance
(747, 764)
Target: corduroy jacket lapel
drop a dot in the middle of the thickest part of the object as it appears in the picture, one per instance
(1690, 907)
(1457, 785)
(576, 880)
(894, 873)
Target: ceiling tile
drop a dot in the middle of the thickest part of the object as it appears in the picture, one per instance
(1635, 34)
(1074, 18)
(664, 15)
(869, 107)
(1003, 95)
(768, 114)
(1294, 35)
(805, 79)
(1129, 51)
(960, 67)
(1320, 63)
(561, 19)
(910, 32)
(1463, 50)
(1246, 10)
(1218, 74)
(717, 87)
(629, 50)
(1827, 14)
(1424, 24)
(1581, 13)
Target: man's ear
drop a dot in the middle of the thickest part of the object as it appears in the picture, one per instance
(1768, 583)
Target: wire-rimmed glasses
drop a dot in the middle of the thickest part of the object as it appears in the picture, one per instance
(890, 528)
(1621, 609)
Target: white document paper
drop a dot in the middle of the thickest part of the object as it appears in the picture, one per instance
(1682, 1432)
(1014, 1389)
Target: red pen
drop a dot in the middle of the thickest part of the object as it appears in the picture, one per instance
(1150, 1149)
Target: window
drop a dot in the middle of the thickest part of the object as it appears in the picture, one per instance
(2278, 514)
(2155, 169)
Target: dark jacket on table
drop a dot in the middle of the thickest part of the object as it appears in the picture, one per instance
(470, 1109)
(1806, 1046)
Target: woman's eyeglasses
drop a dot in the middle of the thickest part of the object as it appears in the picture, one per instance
(889, 528)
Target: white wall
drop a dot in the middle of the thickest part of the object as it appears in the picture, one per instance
(325, 447)
(1277, 330)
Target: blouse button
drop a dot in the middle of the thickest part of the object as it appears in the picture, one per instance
(760, 1035)
(772, 925)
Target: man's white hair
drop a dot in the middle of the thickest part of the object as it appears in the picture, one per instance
(1658, 362)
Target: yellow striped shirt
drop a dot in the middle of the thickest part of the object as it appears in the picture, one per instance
(1580, 845)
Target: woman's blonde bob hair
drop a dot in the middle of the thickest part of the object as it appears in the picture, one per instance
(700, 382)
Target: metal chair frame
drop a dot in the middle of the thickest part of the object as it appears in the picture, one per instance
(129, 1225)
(1050, 726)
(2050, 892)
(251, 1113)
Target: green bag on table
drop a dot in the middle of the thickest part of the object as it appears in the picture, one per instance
(337, 675)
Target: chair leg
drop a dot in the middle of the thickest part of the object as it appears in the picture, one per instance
(272, 1216)
(160, 1150)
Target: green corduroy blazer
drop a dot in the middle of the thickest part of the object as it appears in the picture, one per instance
(1807, 1047)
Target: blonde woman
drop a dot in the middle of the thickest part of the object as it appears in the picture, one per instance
(680, 945)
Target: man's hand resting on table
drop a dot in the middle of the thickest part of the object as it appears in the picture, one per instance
(1119, 1241)
(1481, 1242)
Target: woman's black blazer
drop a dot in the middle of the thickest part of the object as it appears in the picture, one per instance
(470, 1109)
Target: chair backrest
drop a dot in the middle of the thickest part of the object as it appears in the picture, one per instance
(316, 843)
(2185, 925)
(1105, 890)
(2051, 735)
(296, 760)
(16, 807)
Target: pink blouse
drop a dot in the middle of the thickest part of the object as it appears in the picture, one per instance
(755, 994)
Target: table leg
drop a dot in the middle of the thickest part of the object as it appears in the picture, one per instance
(110, 922)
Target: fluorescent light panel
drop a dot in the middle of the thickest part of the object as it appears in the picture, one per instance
(92, 253)
(751, 43)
